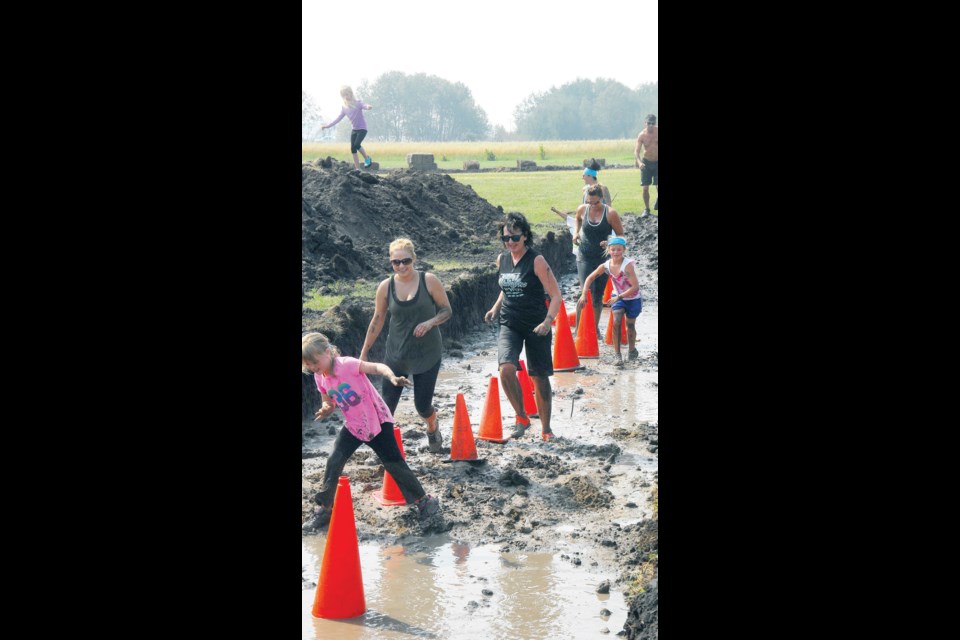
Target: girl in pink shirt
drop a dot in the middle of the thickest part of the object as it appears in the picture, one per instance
(626, 299)
(367, 420)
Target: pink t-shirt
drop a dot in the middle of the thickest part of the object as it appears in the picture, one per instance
(621, 282)
(363, 408)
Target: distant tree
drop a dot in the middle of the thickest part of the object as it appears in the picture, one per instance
(310, 119)
(585, 109)
(422, 107)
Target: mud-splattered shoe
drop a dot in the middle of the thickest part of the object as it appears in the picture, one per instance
(634, 355)
(618, 361)
(548, 435)
(427, 507)
(520, 428)
(435, 440)
(319, 519)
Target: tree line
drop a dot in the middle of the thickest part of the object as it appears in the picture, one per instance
(420, 107)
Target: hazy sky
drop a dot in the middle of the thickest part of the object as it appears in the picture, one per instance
(503, 50)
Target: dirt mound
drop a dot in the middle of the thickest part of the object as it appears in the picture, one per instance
(349, 218)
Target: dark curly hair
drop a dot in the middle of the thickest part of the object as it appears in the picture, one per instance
(516, 220)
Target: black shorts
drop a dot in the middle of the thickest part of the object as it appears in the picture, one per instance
(539, 357)
(650, 173)
(356, 139)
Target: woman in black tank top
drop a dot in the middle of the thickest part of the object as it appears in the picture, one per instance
(525, 279)
(594, 222)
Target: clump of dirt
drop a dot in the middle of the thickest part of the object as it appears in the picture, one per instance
(349, 218)
(586, 494)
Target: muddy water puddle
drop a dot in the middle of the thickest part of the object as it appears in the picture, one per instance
(435, 589)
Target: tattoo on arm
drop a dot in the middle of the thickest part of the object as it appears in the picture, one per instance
(443, 314)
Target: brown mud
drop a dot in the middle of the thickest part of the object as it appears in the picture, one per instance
(588, 495)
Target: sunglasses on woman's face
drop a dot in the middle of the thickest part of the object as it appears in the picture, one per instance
(397, 263)
(514, 238)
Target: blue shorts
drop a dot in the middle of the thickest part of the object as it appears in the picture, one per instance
(632, 307)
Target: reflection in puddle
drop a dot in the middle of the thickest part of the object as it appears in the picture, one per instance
(437, 591)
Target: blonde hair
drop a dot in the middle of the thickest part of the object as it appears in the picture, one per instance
(314, 345)
(403, 244)
(347, 94)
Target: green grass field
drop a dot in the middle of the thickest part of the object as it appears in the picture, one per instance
(393, 155)
(535, 192)
(531, 193)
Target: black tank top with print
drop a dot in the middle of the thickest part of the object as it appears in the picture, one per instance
(523, 295)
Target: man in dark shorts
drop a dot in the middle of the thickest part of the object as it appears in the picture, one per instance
(647, 160)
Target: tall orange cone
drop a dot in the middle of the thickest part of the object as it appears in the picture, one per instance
(340, 586)
(563, 309)
(526, 384)
(607, 291)
(623, 330)
(587, 345)
(491, 423)
(564, 351)
(462, 445)
(390, 494)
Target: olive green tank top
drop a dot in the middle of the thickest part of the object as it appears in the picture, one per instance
(406, 353)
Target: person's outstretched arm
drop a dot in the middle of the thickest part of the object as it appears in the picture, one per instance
(380, 369)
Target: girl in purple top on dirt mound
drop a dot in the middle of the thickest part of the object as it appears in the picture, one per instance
(353, 109)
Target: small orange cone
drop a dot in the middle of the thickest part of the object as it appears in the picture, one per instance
(564, 351)
(462, 445)
(491, 423)
(390, 494)
(563, 309)
(587, 345)
(340, 585)
(607, 291)
(623, 330)
(526, 384)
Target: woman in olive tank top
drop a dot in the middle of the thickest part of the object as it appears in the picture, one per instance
(417, 304)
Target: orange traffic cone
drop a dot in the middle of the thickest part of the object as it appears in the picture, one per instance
(564, 351)
(623, 330)
(571, 318)
(526, 384)
(587, 345)
(340, 586)
(390, 494)
(607, 291)
(563, 309)
(462, 445)
(491, 423)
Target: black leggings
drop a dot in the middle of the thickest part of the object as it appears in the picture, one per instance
(385, 446)
(356, 139)
(423, 386)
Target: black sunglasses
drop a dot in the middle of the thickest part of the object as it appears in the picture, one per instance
(515, 238)
(397, 263)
